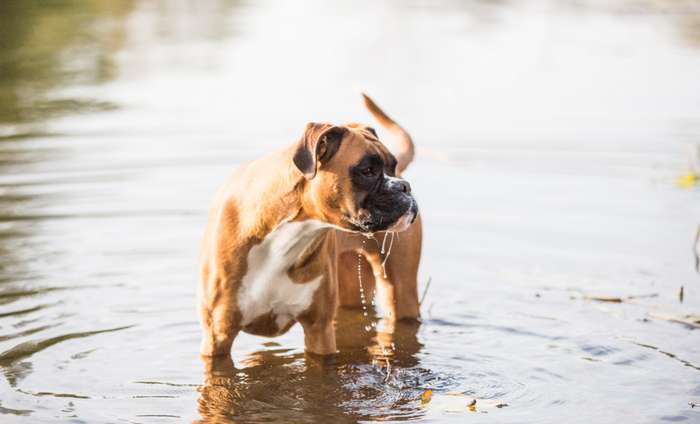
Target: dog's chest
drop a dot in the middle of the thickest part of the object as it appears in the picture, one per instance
(267, 290)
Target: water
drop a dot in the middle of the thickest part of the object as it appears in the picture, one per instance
(550, 136)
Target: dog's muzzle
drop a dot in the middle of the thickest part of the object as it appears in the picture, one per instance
(389, 208)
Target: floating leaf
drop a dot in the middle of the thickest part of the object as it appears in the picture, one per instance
(687, 180)
(458, 402)
(689, 320)
(614, 299)
(426, 396)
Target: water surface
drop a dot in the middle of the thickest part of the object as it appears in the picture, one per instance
(550, 137)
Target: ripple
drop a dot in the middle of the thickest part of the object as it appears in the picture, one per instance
(58, 395)
(27, 332)
(599, 350)
(31, 347)
(670, 355)
(10, 411)
(11, 294)
(27, 310)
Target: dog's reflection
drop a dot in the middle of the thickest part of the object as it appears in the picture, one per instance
(279, 386)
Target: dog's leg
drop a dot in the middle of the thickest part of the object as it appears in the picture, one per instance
(398, 291)
(319, 336)
(218, 329)
(319, 330)
(349, 282)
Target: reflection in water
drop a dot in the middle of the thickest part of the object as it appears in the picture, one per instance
(56, 45)
(45, 47)
(100, 213)
(53, 58)
(375, 375)
(49, 48)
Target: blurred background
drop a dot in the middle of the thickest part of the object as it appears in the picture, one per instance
(556, 174)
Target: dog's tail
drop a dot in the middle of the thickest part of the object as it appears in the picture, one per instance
(403, 144)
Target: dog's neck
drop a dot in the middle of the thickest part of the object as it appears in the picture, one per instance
(283, 192)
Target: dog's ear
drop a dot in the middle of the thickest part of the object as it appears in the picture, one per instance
(318, 145)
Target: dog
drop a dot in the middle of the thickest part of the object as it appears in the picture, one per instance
(295, 234)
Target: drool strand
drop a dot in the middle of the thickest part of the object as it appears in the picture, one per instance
(363, 299)
(388, 252)
(363, 296)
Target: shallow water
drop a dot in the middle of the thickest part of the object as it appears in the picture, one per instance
(550, 134)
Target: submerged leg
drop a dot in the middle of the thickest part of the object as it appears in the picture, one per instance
(318, 322)
(218, 330)
(319, 337)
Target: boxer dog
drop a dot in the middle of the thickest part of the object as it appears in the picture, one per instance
(285, 231)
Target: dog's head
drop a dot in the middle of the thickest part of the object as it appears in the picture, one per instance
(350, 179)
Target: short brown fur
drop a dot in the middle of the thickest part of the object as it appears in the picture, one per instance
(272, 190)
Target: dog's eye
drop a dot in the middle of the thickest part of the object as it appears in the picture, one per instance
(368, 172)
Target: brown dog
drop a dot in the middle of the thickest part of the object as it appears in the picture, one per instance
(284, 234)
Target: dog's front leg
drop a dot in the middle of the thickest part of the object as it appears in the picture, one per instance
(318, 321)
(220, 323)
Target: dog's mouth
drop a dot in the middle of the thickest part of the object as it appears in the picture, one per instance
(396, 219)
(405, 220)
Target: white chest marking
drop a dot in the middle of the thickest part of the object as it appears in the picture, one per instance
(266, 287)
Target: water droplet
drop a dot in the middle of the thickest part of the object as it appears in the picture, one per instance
(363, 299)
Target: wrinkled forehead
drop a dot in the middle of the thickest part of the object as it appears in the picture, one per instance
(361, 141)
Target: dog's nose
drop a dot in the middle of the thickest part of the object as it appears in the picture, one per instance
(394, 184)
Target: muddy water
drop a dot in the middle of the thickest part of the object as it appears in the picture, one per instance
(551, 135)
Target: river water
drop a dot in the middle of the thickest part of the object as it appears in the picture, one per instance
(551, 136)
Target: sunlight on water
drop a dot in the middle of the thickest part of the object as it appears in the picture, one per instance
(551, 136)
